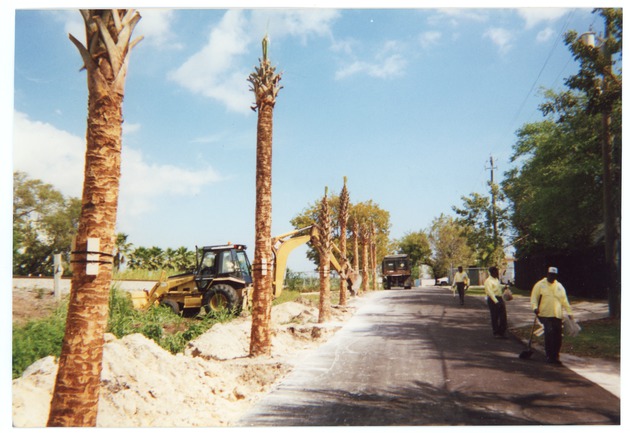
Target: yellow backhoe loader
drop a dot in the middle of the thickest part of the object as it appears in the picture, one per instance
(223, 277)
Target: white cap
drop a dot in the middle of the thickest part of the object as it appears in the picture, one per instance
(552, 270)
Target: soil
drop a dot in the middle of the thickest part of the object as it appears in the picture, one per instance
(211, 384)
(29, 304)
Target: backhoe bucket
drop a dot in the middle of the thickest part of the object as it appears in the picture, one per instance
(139, 298)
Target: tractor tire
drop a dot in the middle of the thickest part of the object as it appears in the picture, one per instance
(174, 306)
(221, 298)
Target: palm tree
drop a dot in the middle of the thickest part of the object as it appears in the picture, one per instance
(344, 201)
(355, 237)
(265, 85)
(123, 248)
(105, 57)
(363, 234)
(324, 246)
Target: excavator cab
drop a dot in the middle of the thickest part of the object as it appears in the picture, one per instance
(223, 262)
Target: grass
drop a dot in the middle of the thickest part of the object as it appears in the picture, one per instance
(599, 338)
(43, 337)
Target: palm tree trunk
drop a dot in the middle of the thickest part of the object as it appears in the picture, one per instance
(77, 385)
(324, 244)
(344, 201)
(260, 343)
(364, 259)
(265, 85)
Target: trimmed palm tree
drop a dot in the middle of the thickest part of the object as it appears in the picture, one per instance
(105, 57)
(373, 255)
(365, 241)
(355, 258)
(265, 85)
(344, 201)
(324, 246)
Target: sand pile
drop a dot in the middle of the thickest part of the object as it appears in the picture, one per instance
(211, 384)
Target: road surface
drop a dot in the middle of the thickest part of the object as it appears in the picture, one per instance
(418, 358)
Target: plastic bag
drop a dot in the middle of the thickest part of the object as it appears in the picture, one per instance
(571, 327)
(507, 295)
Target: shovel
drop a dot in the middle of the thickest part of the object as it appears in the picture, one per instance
(526, 354)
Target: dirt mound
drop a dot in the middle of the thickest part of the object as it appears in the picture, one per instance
(211, 384)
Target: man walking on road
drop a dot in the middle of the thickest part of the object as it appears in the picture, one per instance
(460, 281)
(498, 314)
(548, 299)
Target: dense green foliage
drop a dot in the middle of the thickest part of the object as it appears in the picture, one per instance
(485, 223)
(38, 339)
(363, 214)
(450, 246)
(44, 222)
(556, 192)
(43, 337)
(417, 246)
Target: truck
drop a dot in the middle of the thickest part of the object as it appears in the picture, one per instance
(396, 271)
(223, 279)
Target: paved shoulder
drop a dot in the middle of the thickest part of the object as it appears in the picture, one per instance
(416, 357)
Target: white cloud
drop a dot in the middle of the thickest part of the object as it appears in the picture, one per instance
(430, 38)
(219, 70)
(502, 38)
(155, 26)
(139, 196)
(300, 23)
(545, 35)
(214, 71)
(57, 157)
(535, 16)
(388, 62)
(47, 153)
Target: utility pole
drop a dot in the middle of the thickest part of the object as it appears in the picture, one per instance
(495, 235)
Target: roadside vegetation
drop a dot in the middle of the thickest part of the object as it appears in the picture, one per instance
(43, 337)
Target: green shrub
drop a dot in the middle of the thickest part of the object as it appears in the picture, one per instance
(38, 339)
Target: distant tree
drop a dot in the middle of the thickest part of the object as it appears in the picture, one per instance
(123, 248)
(417, 246)
(480, 218)
(105, 57)
(449, 244)
(44, 222)
(265, 85)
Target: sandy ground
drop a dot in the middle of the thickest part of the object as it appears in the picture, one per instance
(211, 384)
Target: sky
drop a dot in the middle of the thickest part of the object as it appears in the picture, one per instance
(409, 103)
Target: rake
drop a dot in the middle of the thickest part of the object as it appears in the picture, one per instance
(526, 354)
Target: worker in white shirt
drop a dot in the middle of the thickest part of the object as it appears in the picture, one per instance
(460, 281)
(494, 296)
(548, 300)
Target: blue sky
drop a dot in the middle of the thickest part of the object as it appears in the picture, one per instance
(409, 104)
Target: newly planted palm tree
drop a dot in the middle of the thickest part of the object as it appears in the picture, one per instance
(365, 241)
(265, 85)
(324, 246)
(355, 238)
(105, 57)
(344, 201)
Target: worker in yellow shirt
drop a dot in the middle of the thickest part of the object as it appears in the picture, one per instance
(494, 297)
(460, 281)
(548, 300)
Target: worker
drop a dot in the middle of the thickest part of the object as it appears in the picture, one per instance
(548, 299)
(460, 281)
(494, 298)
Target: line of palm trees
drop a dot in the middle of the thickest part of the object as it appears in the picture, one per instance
(152, 258)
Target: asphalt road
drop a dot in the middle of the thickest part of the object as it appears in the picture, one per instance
(418, 358)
